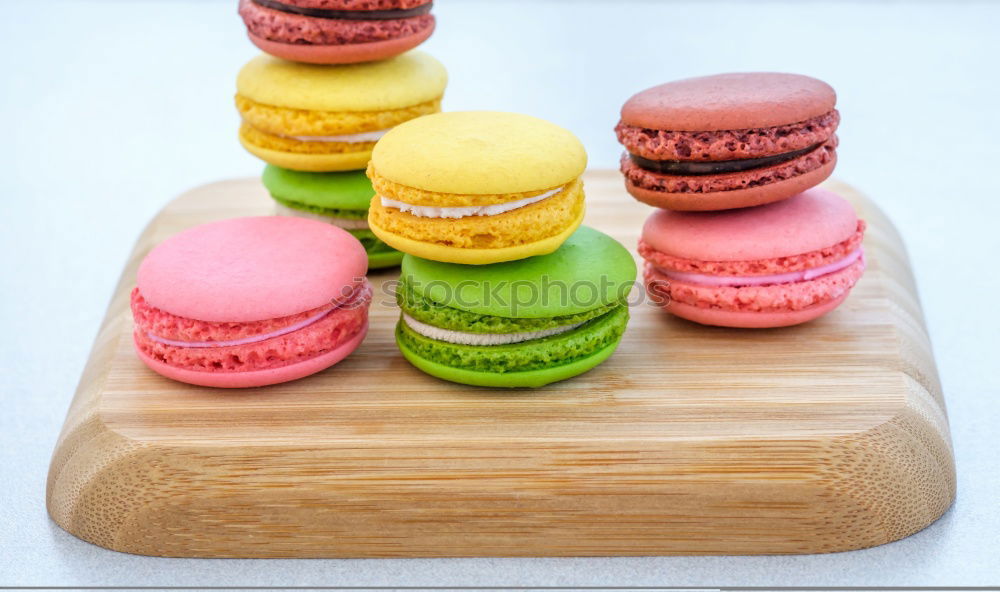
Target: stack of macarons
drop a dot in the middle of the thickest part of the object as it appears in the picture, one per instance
(744, 238)
(337, 78)
(256, 301)
(500, 284)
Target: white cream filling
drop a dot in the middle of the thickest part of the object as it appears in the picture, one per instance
(462, 212)
(358, 138)
(345, 223)
(463, 338)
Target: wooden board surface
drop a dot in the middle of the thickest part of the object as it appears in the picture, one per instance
(689, 440)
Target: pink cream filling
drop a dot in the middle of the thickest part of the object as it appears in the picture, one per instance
(358, 295)
(764, 280)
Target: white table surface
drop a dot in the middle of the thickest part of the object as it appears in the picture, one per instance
(109, 109)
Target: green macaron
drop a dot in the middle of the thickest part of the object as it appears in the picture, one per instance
(340, 198)
(523, 323)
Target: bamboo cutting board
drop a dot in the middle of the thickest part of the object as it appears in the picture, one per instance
(689, 440)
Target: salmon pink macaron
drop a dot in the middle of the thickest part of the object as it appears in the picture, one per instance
(337, 31)
(249, 302)
(774, 265)
(728, 141)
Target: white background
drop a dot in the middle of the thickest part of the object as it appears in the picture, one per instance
(109, 109)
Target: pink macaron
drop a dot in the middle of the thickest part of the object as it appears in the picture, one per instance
(774, 265)
(249, 302)
(337, 31)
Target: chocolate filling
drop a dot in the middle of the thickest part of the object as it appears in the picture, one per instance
(351, 15)
(716, 167)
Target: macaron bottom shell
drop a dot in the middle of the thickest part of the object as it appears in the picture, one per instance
(255, 378)
(526, 379)
(351, 53)
(531, 363)
(734, 198)
(825, 293)
(474, 256)
(752, 320)
(313, 163)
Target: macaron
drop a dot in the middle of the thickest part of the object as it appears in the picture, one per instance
(728, 141)
(340, 199)
(337, 31)
(775, 265)
(327, 118)
(248, 302)
(522, 323)
(477, 187)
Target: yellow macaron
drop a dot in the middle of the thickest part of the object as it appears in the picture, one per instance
(309, 117)
(476, 187)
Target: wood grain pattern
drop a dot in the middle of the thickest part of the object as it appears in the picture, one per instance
(689, 440)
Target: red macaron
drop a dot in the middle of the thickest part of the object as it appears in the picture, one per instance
(251, 301)
(337, 31)
(728, 141)
(770, 266)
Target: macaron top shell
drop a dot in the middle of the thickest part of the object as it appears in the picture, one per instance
(588, 271)
(479, 152)
(412, 78)
(810, 221)
(729, 102)
(349, 190)
(251, 269)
